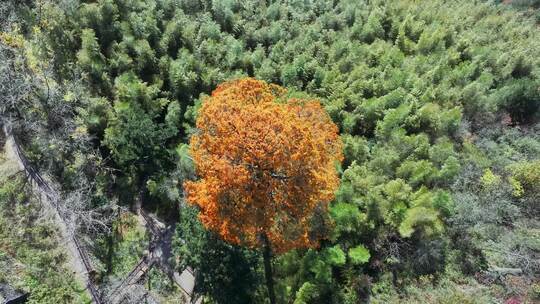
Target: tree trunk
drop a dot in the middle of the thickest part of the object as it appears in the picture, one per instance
(110, 252)
(137, 202)
(267, 255)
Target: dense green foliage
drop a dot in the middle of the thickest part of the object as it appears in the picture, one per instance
(438, 104)
(122, 249)
(228, 274)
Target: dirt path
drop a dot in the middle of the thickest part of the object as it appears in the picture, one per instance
(161, 244)
(160, 254)
(78, 258)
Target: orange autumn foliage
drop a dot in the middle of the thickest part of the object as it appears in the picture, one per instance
(265, 164)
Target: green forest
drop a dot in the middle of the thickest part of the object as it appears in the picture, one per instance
(404, 162)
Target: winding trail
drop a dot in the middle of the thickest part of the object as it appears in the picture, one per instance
(134, 276)
(160, 252)
(78, 256)
(162, 243)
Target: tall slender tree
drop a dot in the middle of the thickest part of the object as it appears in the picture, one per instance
(266, 165)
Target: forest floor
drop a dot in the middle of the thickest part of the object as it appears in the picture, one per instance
(162, 249)
(34, 253)
(161, 246)
(11, 160)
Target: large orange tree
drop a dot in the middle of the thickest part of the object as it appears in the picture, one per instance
(266, 164)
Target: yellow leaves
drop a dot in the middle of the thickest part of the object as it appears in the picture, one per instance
(36, 30)
(12, 39)
(79, 132)
(69, 96)
(518, 190)
(526, 176)
(263, 165)
(33, 60)
(490, 180)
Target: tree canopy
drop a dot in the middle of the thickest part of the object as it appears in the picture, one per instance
(267, 164)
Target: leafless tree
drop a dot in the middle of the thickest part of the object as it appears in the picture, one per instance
(15, 82)
(81, 216)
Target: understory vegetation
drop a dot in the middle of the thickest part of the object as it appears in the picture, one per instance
(31, 257)
(437, 105)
